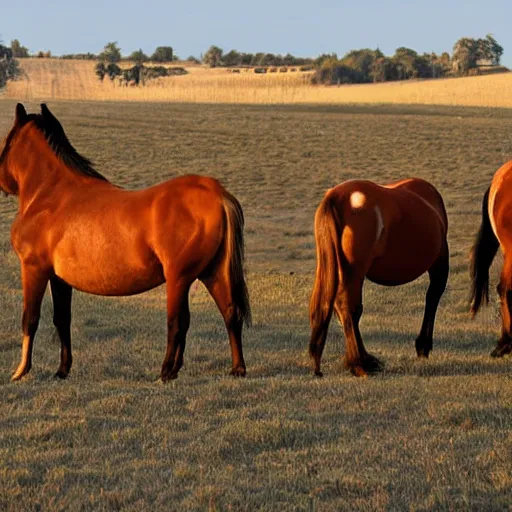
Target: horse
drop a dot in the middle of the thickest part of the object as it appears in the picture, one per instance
(76, 230)
(390, 234)
(495, 232)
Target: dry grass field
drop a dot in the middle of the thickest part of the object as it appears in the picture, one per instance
(75, 80)
(421, 436)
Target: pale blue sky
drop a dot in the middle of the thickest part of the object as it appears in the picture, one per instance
(299, 27)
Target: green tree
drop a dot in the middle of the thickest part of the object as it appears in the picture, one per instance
(245, 59)
(465, 55)
(18, 51)
(490, 50)
(9, 67)
(138, 56)
(361, 62)
(326, 57)
(405, 61)
(213, 56)
(163, 54)
(269, 59)
(383, 69)
(289, 60)
(232, 58)
(111, 53)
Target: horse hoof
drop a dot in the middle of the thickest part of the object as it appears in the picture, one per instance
(61, 374)
(422, 353)
(318, 373)
(238, 372)
(501, 350)
(359, 371)
(423, 347)
(18, 374)
(169, 376)
(368, 366)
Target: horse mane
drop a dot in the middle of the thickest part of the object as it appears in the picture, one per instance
(54, 134)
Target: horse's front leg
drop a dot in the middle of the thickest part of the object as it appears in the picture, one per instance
(61, 296)
(34, 281)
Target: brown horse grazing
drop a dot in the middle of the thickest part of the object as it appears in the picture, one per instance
(495, 232)
(75, 229)
(391, 234)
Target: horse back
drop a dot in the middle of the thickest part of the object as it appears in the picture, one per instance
(427, 194)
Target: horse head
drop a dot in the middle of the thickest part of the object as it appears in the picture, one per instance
(8, 180)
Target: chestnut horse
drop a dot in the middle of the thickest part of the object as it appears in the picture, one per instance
(495, 231)
(74, 229)
(391, 234)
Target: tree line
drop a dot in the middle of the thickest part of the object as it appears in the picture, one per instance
(366, 65)
(111, 53)
(215, 57)
(357, 66)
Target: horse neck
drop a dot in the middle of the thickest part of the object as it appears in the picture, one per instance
(38, 170)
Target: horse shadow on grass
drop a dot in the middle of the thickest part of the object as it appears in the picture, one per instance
(457, 354)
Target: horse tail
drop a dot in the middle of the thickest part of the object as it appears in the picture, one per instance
(483, 252)
(234, 251)
(329, 262)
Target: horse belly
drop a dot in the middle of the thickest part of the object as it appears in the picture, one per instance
(110, 274)
(408, 254)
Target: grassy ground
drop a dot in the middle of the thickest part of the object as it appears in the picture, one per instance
(75, 80)
(432, 435)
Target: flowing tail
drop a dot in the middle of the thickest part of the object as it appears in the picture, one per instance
(482, 254)
(235, 256)
(330, 263)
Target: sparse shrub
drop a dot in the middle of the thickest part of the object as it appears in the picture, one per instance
(79, 56)
(100, 70)
(111, 53)
(18, 50)
(213, 56)
(163, 54)
(138, 56)
(137, 74)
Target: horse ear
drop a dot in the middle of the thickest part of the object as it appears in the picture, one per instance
(46, 111)
(20, 114)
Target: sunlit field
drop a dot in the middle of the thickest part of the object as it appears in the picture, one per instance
(75, 80)
(422, 435)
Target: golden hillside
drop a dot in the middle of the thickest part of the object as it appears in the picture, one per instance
(55, 79)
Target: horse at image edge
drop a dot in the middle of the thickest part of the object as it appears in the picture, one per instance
(495, 232)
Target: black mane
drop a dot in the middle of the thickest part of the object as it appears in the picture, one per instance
(51, 128)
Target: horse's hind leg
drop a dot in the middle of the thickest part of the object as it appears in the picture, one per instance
(219, 287)
(178, 322)
(61, 296)
(504, 345)
(349, 308)
(438, 274)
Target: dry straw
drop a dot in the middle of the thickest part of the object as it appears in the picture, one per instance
(75, 80)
